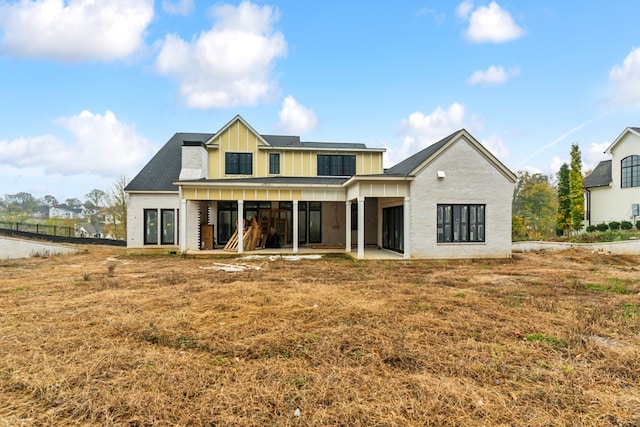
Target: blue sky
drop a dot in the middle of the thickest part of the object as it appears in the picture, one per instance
(90, 90)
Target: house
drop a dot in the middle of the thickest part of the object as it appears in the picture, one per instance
(450, 200)
(613, 188)
(66, 212)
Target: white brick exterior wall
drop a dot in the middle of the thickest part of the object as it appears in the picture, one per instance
(470, 179)
(614, 203)
(136, 204)
(193, 225)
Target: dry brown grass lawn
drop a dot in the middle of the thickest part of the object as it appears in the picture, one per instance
(106, 338)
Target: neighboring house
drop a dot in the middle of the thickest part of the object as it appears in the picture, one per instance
(613, 188)
(450, 200)
(64, 211)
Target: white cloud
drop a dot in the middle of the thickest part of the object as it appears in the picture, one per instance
(626, 80)
(492, 75)
(554, 166)
(179, 7)
(418, 131)
(74, 30)
(491, 24)
(100, 145)
(594, 154)
(497, 147)
(230, 64)
(464, 9)
(296, 118)
(439, 17)
(591, 156)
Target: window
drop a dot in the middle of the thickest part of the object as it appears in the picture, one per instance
(354, 216)
(460, 223)
(630, 171)
(168, 226)
(227, 217)
(274, 163)
(336, 165)
(238, 164)
(393, 228)
(150, 226)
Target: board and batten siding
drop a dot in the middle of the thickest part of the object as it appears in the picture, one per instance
(238, 138)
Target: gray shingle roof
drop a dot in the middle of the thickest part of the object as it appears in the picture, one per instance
(294, 141)
(600, 177)
(405, 167)
(164, 168)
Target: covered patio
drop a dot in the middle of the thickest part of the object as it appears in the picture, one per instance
(370, 253)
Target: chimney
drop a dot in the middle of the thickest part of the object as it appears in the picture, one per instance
(194, 161)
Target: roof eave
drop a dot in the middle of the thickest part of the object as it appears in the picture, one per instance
(620, 138)
(328, 149)
(356, 178)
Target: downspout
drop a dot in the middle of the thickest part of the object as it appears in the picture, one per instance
(588, 206)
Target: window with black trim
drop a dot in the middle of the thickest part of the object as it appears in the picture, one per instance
(150, 226)
(274, 163)
(238, 163)
(336, 165)
(168, 226)
(630, 170)
(160, 229)
(460, 223)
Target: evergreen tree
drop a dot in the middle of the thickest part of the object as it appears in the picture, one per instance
(576, 188)
(564, 199)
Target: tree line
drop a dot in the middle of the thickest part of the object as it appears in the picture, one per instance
(546, 206)
(104, 208)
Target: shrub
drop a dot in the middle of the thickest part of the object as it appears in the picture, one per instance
(602, 227)
(638, 224)
(626, 225)
(591, 228)
(614, 225)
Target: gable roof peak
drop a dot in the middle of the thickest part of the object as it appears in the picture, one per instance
(628, 130)
(239, 118)
(414, 163)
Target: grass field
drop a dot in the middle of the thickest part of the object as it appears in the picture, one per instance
(111, 339)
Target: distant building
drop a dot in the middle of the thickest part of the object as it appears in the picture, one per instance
(66, 212)
(612, 190)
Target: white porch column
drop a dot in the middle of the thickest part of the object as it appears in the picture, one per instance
(295, 226)
(407, 227)
(360, 227)
(347, 245)
(240, 225)
(182, 226)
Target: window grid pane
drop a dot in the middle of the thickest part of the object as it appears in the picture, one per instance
(336, 165)
(238, 163)
(630, 172)
(460, 223)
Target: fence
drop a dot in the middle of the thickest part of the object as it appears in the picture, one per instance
(49, 230)
(55, 233)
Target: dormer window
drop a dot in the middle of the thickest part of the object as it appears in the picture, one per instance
(630, 170)
(336, 165)
(238, 163)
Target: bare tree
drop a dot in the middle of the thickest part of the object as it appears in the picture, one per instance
(116, 221)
